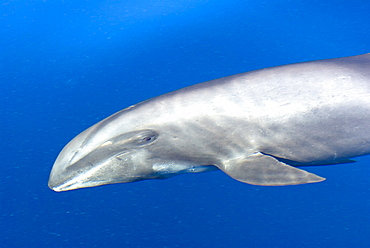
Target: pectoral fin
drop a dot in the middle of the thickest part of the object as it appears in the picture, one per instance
(261, 169)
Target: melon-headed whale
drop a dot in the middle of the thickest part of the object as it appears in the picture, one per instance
(258, 127)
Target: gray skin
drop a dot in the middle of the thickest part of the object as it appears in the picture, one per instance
(257, 127)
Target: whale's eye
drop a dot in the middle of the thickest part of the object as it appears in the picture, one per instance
(134, 139)
(146, 139)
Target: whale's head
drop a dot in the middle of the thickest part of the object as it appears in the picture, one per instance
(129, 146)
(120, 159)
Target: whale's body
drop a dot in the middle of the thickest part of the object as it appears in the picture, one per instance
(257, 127)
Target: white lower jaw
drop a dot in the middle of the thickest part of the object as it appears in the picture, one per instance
(71, 186)
(80, 181)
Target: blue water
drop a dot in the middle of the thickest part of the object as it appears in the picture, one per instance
(64, 65)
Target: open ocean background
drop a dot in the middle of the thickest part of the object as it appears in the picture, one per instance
(65, 65)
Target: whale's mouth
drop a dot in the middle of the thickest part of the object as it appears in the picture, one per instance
(82, 178)
(73, 185)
